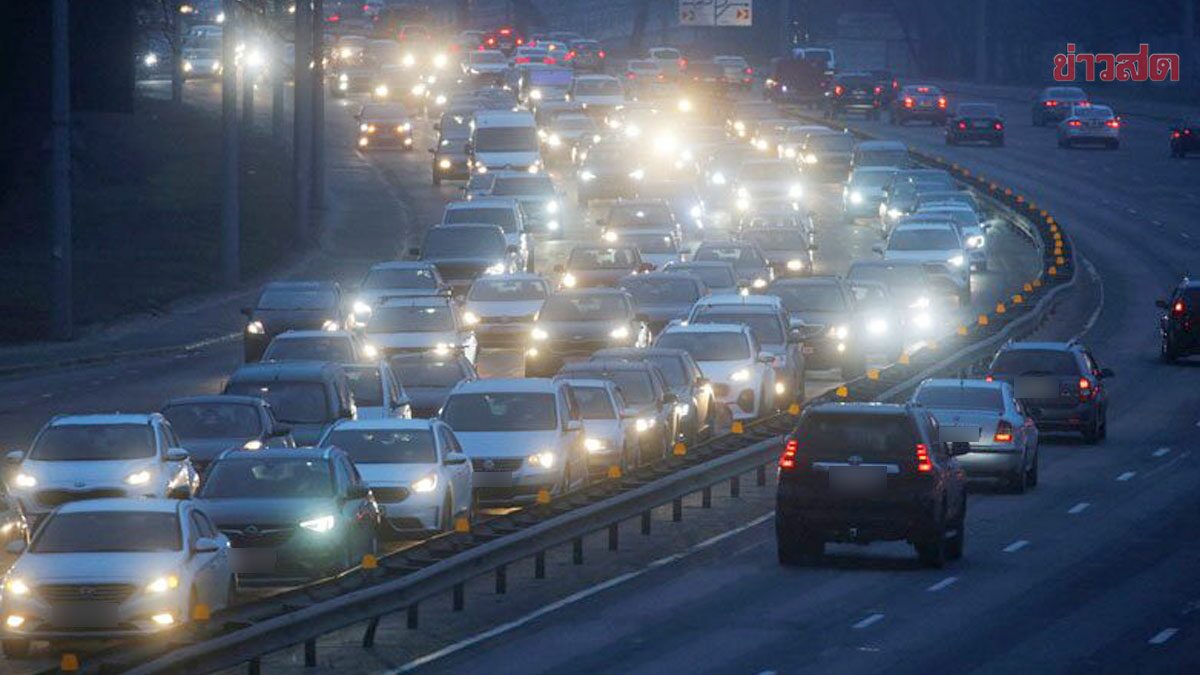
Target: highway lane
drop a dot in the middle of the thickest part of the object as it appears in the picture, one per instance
(1088, 573)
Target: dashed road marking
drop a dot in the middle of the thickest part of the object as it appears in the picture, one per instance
(942, 584)
(1163, 635)
(1161, 451)
(1078, 508)
(1126, 476)
(869, 621)
(1016, 546)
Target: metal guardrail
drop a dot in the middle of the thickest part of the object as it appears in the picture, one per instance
(401, 581)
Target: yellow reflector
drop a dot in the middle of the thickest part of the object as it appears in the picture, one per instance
(680, 449)
(873, 374)
(68, 663)
(462, 525)
(794, 409)
(1037, 283)
(962, 330)
(614, 471)
(1028, 288)
(1060, 260)
(983, 320)
(543, 496)
(369, 562)
(843, 392)
(1000, 308)
(1052, 271)
(201, 612)
(1018, 299)
(737, 428)
(903, 358)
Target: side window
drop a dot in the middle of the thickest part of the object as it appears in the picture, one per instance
(393, 388)
(206, 525)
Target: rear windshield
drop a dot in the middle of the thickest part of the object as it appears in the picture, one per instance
(922, 240)
(488, 57)
(961, 398)
(651, 242)
(814, 297)
(293, 402)
(861, 81)
(881, 158)
(594, 403)
(639, 216)
(778, 240)
(873, 179)
(875, 438)
(213, 420)
(399, 278)
(1066, 93)
(366, 384)
(737, 255)
(977, 110)
(384, 446)
(597, 88)
(335, 348)
(831, 142)
(521, 185)
(1035, 362)
(492, 215)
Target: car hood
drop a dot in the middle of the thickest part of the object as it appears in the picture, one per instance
(660, 260)
(923, 256)
(269, 511)
(79, 474)
(515, 308)
(609, 430)
(817, 318)
(781, 257)
(506, 443)
(394, 474)
(498, 160)
(134, 568)
(720, 371)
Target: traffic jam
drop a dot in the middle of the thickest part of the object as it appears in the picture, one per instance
(637, 253)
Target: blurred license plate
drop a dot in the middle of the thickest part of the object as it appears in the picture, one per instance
(808, 350)
(959, 434)
(858, 478)
(1036, 387)
(84, 614)
(252, 560)
(979, 125)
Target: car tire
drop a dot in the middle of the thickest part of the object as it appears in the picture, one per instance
(15, 649)
(1031, 478)
(932, 552)
(794, 548)
(955, 545)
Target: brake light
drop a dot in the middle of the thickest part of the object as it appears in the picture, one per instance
(505, 31)
(908, 102)
(334, 18)
(1074, 123)
(1004, 432)
(1051, 103)
(1178, 309)
(962, 125)
(522, 59)
(602, 54)
(549, 60)
(1113, 123)
(924, 465)
(895, 84)
(491, 41)
(570, 55)
(787, 461)
(1085, 389)
(520, 41)
(682, 63)
(998, 126)
(749, 71)
(941, 101)
(878, 90)
(838, 89)
(1083, 104)
(922, 90)
(1174, 134)
(989, 378)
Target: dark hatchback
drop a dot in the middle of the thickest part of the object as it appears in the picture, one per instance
(662, 297)
(1179, 326)
(697, 405)
(306, 395)
(863, 472)
(1059, 384)
(463, 253)
(210, 425)
(853, 92)
(975, 122)
(428, 380)
(1185, 136)
(291, 305)
(573, 324)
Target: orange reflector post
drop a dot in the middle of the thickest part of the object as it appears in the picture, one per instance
(1060, 260)
(68, 663)
(369, 561)
(1018, 299)
(462, 525)
(201, 612)
(873, 374)
(1053, 271)
(1028, 288)
(543, 496)
(1044, 213)
(680, 449)
(737, 428)
(1007, 192)
(1037, 283)
(962, 330)
(1000, 308)
(903, 360)
(843, 392)
(983, 320)
(794, 409)
(614, 471)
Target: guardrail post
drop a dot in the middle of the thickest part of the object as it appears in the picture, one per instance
(501, 580)
(677, 509)
(458, 597)
(254, 667)
(577, 550)
(310, 653)
(760, 478)
(706, 498)
(614, 532)
(368, 640)
(539, 565)
(646, 522)
(414, 613)
(735, 487)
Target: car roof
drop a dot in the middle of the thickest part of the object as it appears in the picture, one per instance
(926, 225)
(739, 300)
(313, 333)
(140, 505)
(512, 276)
(1040, 346)
(393, 423)
(285, 370)
(637, 353)
(594, 290)
(540, 385)
(688, 264)
(484, 201)
(964, 383)
(707, 328)
(663, 276)
(860, 408)
(417, 301)
(102, 418)
(466, 226)
(299, 285)
(606, 365)
(583, 381)
(814, 280)
(587, 78)
(403, 265)
(209, 399)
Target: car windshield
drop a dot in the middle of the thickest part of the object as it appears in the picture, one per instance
(639, 216)
(738, 255)
(384, 446)
(977, 110)
(881, 158)
(1035, 362)
(810, 297)
(660, 291)
(635, 385)
(501, 411)
(872, 179)
(713, 277)
(268, 478)
(822, 56)
(506, 139)
(766, 328)
(895, 277)
(830, 143)
(108, 532)
(93, 442)
(874, 438)
(510, 290)
(454, 126)
(594, 403)
(492, 215)
(279, 298)
(488, 57)
(421, 372)
(708, 346)
(294, 402)
(606, 307)
(411, 319)
(505, 186)
(672, 368)
(315, 348)
(651, 242)
(922, 239)
(961, 398)
(470, 242)
(766, 171)
(601, 259)
(383, 278)
(366, 385)
(214, 420)
(778, 240)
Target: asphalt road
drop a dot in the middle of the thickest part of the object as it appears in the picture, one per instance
(1091, 572)
(381, 202)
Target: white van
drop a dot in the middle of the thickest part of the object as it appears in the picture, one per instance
(504, 139)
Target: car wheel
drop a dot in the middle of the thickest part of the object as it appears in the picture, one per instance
(956, 544)
(794, 547)
(932, 553)
(1031, 478)
(15, 649)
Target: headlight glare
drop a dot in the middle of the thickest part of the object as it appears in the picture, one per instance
(740, 375)
(543, 459)
(138, 477)
(25, 480)
(619, 333)
(163, 584)
(425, 483)
(322, 524)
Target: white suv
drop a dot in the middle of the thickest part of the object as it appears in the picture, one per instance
(742, 375)
(932, 244)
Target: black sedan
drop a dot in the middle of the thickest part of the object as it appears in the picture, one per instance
(975, 122)
(1185, 136)
(291, 305)
(428, 380)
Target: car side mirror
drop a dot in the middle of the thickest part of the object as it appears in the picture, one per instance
(1162, 304)
(670, 398)
(176, 454)
(702, 382)
(766, 358)
(1106, 373)
(346, 413)
(357, 491)
(15, 457)
(437, 126)
(206, 545)
(15, 547)
(959, 448)
(432, 151)
(454, 459)
(281, 430)
(415, 251)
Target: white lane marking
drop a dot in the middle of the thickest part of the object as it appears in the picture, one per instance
(1185, 235)
(1163, 635)
(869, 621)
(1126, 476)
(1099, 305)
(1016, 546)
(1161, 451)
(942, 584)
(1078, 508)
(574, 598)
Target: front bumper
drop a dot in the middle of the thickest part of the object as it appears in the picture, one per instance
(501, 488)
(124, 619)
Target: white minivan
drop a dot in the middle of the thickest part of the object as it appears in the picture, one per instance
(504, 139)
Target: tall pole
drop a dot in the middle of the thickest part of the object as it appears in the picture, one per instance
(230, 225)
(277, 75)
(981, 69)
(62, 323)
(302, 120)
(177, 53)
(318, 101)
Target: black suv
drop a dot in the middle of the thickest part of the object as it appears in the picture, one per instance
(863, 472)
(1180, 326)
(854, 92)
(1059, 384)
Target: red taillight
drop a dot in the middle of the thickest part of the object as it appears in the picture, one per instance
(453, 48)
(837, 90)
(1178, 310)
(491, 41)
(787, 461)
(1074, 123)
(601, 54)
(334, 18)
(1187, 132)
(909, 102)
(878, 90)
(1084, 104)
(941, 101)
(505, 31)
(989, 378)
(480, 48)
(549, 60)
(570, 55)
(682, 63)
(522, 59)
(998, 126)
(962, 125)
(922, 90)
(1113, 124)
(1004, 432)
(1085, 389)
(520, 41)
(749, 71)
(924, 465)
(1174, 134)
(895, 84)
(631, 76)
(1051, 103)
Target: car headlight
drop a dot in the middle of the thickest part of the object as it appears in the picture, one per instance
(187, 66)
(743, 193)
(975, 241)
(498, 268)
(740, 375)
(633, 131)
(330, 325)
(637, 174)
(381, 90)
(370, 351)
(440, 99)
(252, 444)
(418, 89)
(362, 308)
(163, 584)
(684, 105)
(403, 128)
(444, 164)
(255, 328)
(795, 192)
(16, 587)
(595, 138)
(759, 283)
(322, 524)
(855, 197)
(790, 153)
(619, 333)
(810, 158)
(24, 480)
(138, 477)
(780, 388)
(150, 60)
(839, 332)
(717, 178)
(895, 214)
(552, 207)
(795, 265)
(568, 280)
(343, 78)
(533, 168)
(682, 409)
(587, 176)
(470, 318)
(554, 140)
(539, 334)
(535, 94)
(877, 326)
(593, 444)
(920, 303)
(544, 460)
(425, 483)
(611, 236)
(922, 320)
(363, 127)
(440, 61)
(481, 168)
(743, 203)
(760, 143)
(644, 424)
(696, 211)
(346, 52)
(956, 260)
(739, 126)
(408, 60)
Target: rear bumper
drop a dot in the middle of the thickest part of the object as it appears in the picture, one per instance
(992, 463)
(502, 334)
(1074, 418)
(853, 520)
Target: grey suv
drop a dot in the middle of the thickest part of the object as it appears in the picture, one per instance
(1059, 384)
